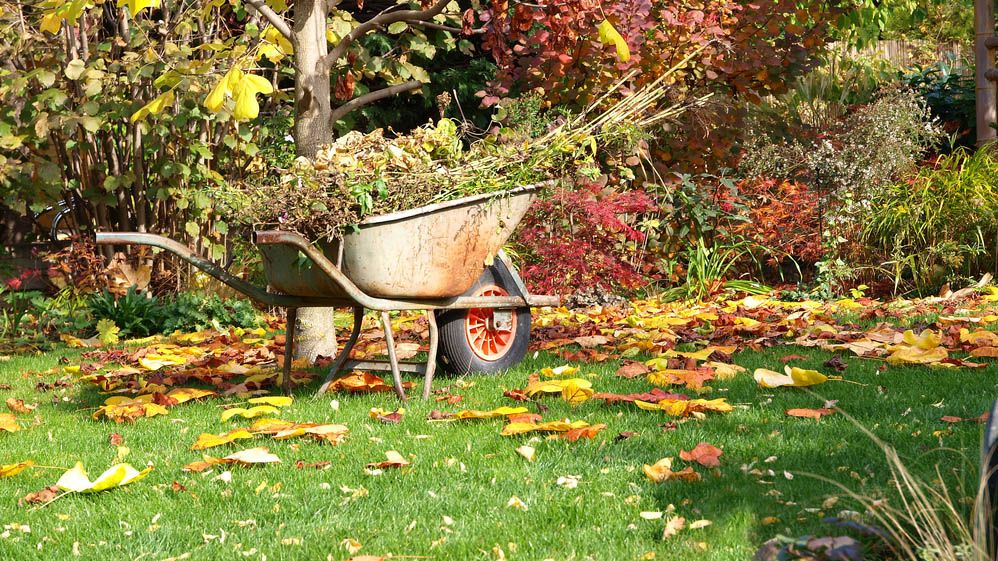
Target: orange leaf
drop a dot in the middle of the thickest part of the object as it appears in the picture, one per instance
(704, 454)
(583, 432)
(810, 413)
(661, 471)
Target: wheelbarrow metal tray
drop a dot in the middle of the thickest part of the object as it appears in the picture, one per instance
(432, 252)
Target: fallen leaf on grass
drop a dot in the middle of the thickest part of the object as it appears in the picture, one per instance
(517, 503)
(632, 369)
(468, 414)
(724, 371)
(654, 396)
(703, 454)
(115, 439)
(693, 379)
(76, 481)
(589, 432)
(206, 440)
(120, 409)
(953, 419)
(661, 471)
(793, 377)
(673, 526)
(837, 363)
(362, 382)
(183, 395)
(810, 413)
(10, 470)
(281, 430)
(272, 400)
(698, 524)
(44, 496)
(249, 413)
(527, 452)
(552, 426)
(395, 460)
(788, 358)
(687, 407)
(393, 417)
(576, 393)
(301, 464)
(248, 457)
(8, 423)
(18, 406)
(916, 355)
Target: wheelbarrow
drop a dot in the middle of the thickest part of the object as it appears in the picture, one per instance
(445, 259)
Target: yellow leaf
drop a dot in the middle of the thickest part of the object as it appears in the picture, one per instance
(559, 371)
(575, 393)
(247, 107)
(8, 423)
(249, 413)
(216, 97)
(724, 371)
(915, 355)
(803, 378)
(10, 470)
(136, 6)
(555, 386)
(554, 426)
(927, 340)
(258, 84)
(76, 481)
(275, 400)
(608, 35)
(51, 23)
(207, 440)
(182, 395)
(686, 407)
(154, 107)
(499, 412)
(661, 471)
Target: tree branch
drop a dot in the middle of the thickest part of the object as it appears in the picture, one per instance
(452, 29)
(381, 20)
(279, 23)
(371, 97)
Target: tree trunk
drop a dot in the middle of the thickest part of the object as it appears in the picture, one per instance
(316, 331)
(312, 103)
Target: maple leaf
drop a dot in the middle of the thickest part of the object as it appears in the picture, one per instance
(661, 471)
(703, 454)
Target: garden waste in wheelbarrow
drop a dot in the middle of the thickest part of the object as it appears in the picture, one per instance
(444, 258)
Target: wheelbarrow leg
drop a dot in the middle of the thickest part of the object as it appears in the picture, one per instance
(289, 347)
(358, 321)
(431, 359)
(393, 360)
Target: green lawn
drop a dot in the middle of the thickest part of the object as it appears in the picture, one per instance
(452, 503)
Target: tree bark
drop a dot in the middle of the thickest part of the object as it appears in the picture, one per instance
(312, 129)
(312, 100)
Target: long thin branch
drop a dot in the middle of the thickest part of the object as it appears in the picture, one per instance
(371, 97)
(381, 20)
(279, 23)
(452, 29)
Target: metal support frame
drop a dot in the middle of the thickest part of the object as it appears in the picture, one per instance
(351, 296)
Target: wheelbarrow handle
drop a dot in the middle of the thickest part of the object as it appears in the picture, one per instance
(187, 254)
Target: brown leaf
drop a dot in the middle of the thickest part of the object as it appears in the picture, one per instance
(810, 413)
(952, 419)
(625, 435)
(788, 358)
(673, 526)
(703, 454)
(654, 396)
(362, 382)
(516, 395)
(300, 464)
(18, 406)
(591, 341)
(177, 487)
(661, 471)
(395, 460)
(44, 496)
(115, 439)
(525, 418)
(632, 369)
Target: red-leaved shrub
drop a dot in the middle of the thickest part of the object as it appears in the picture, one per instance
(784, 217)
(583, 237)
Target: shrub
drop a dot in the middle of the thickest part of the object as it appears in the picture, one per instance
(948, 91)
(783, 219)
(940, 224)
(583, 237)
(190, 311)
(136, 314)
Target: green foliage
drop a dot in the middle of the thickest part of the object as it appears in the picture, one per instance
(137, 314)
(948, 90)
(191, 311)
(942, 224)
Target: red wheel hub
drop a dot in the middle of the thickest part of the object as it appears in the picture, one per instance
(488, 338)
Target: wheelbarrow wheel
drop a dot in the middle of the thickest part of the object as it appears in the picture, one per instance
(484, 340)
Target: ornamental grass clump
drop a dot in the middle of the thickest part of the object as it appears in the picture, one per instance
(362, 175)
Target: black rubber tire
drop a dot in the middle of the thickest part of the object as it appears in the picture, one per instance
(455, 355)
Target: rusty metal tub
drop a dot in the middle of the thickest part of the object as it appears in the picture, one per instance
(432, 252)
